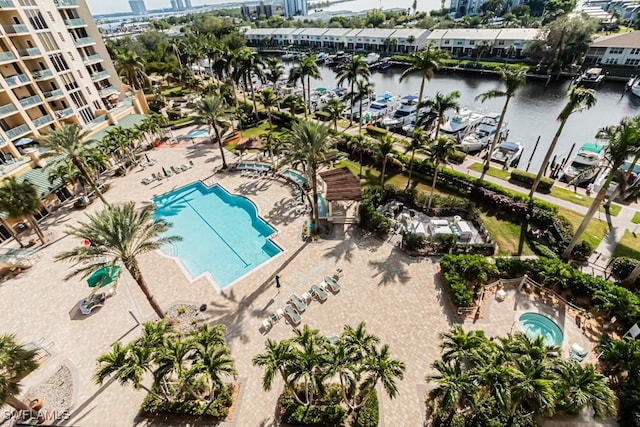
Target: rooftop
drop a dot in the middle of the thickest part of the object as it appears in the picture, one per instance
(631, 39)
(341, 184)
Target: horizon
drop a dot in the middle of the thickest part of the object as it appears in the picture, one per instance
(101, 7)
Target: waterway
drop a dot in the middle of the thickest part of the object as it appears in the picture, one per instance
(531, 114)
(360, 5)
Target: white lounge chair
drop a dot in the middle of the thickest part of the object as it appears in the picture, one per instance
(332, 284)
(293, 315)
(320, 294)
(298, 303)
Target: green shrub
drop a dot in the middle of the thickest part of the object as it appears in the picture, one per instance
(376, 132)
(369, 414)
(457, 157)
(219, 408)
(174, 114)
(542, 250)
(373, 221)
(621, 267)
(461, 273)
(323, 116)
(328, 412)
(412, 241)
(527, 178)
(181, 123)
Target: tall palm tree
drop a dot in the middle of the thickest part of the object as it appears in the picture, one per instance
(439, 105)
(71, 141)
(621, 141)
(275, 360)
(127, 364)
(308, 363)
(269, 99)
(383, 150)
(351, 71)
(359, 143)
(334, 107)
(364, 90)
(418, 143)
(310, 144)
(380, 367)
(453, 389)
(175, 47)
(212, 111)
(21, 200)
(438, 153)
(119, 234)
(16, 362)
(130, 66)
(306, 70)
(274, 71)
(249, 65)
(466, 348)
(514, 78)
(578, 99)
(426, 62)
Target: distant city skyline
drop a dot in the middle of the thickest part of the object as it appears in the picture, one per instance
(101, 7)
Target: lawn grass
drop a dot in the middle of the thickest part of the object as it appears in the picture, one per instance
(636, 218)
(260, 130)
(595, 230)
(628, 246)
(561, 193)
(505, 233)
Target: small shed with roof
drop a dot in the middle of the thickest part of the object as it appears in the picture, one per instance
(342, 192)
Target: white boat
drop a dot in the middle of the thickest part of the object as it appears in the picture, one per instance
(372, 58)
(507, 153)
(591, 77)
(586, 164)
(483, 134)
(613, 189)
(405, 113)
(382, 106)
(635, 86)
(355, 112)
(460, 123)
(341, 93)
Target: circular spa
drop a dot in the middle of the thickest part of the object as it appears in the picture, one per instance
(535, 325)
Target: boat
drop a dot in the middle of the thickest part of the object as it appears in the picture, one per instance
(586, 164)
(371, 58)
(460, 123)
(634, 85)
(591, 77)
(508, 153)
(340, 93)
(483, 135)
(404, 114)
(321, 57)
(355, 112)
(382, 106)
(613, 190)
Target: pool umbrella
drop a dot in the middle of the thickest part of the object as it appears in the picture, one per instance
(164, 171)
(103, 276)
(146, 156)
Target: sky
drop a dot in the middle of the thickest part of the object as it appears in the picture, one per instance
(99, 7)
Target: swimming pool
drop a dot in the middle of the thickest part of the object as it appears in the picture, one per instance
(296, 177)
(222, 233)
(535, 325)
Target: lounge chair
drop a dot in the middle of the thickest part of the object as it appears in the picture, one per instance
(147, 180)
(332, 284)
(97, 301)
(298, 303)
(266, 324)
(320, 294)
(168, 173)
(577, 353)
(175, 170)
(293, 315)
(184, 167)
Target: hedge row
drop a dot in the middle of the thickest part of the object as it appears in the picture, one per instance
(528, 178)
(218, 409)
(376, 132)
(463, 274)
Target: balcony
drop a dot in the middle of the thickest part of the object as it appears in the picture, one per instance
(7, 4)
(84, 41)
(7, 56)
(91, 59)
(42, 74)
(17, 80)
(106, 91)
(33, 51)
(30, 101)
(53, 94)
(41, 121)
(66, 3)
(16, 29)
(64, 113)
(101, 75)
(77, 22)
(7, 109)
(17, 131)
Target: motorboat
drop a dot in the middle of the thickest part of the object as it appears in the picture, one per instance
(382, 106)
(321, 57)
(355, 111)
(484, 133)
(404, 114)
(409, 128)
(613, 190)
(507, 153)
(591, 77)
(586, 164)
(634, 85)
(340, 92)
(371, 58)
(460, 123)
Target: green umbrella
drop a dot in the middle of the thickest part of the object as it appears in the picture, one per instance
(103, 276)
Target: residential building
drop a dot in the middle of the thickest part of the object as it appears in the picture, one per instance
(177, 5)
(460, 8)
(620, 49)
(137, 7)
(353, 39)
(254, 12)
(187, 4)
(295, 7)
(502, 41)
(628, 9)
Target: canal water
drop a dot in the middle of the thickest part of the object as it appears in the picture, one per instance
(531, 114)
(360, 5)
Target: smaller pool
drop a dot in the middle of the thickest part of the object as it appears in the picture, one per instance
(254, 166)
(295, 176)
(535, 325)
(322, 206)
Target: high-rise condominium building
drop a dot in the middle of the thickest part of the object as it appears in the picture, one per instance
(295, 7)
(137, 7)
(177, 5)
(187, 4)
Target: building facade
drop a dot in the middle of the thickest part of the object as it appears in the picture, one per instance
(137, 7)
(506, 42)
(295, 8)
(177, 5)
(622, 49)
(254, 12)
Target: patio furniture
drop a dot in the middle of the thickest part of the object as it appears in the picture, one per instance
(293, 315)
(96, 301)
(306, 297)
(280, 313)
(501, 295)
(332, 284)
(175, 170)
(320, 294)
(147, 180)
(577, 353)
(184, 167)
(299, 304)
(266, 324)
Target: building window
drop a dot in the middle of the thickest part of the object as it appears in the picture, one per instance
(632, 62)
(48, 42)
(472, 42)
(87, 115)
(61, 36)
(446, 42)
(635, 51)
(36, 19)
(27, 3)
(78, 99)
(500, 42)
(58, 62)
(615, 50)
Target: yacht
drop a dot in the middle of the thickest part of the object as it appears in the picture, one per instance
(355, 112)
(372, 58)
(321, 57)
(591, 77)
(341, 93)
(586, 164)
(483, 134)
(614, 190)
(460, 123)
(507, 153)
(383, 106)
(404, 114)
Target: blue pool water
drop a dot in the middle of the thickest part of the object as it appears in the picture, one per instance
(222, 233)
(295, 176)
(535, 325)
(322, 206)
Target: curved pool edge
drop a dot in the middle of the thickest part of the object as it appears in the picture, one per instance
(546, 317)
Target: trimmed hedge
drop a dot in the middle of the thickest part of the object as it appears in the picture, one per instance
(327, 413)
(182, 123)
(622, 267)
(527, 178)
(219, 409)
(369, 414)
(463, 274)
(458, 157)
(376, 132)
(323, 116)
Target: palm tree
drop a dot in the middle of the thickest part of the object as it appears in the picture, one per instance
(119, 234)
(582, 387)
(175, 46)
(127, 364)
(578, 99)
(364, 89)
(427, 62)
(380, 367)
(383, 150)
(439, 152)
(16, 362)
(352, 71)
(307, 69)
(310, 144)
(274, 71)
(274, 360)
(359, 143)
(269, 99)
(249, 65)
(419, 141)
(621, 141)
(465, 348)
(308, 363)
(481, 47)
(334, 107)
(70, 140)
(131, 66)
(453, 389)
(211, 111)
(513, 78)
(439, 105)
(21, 200)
